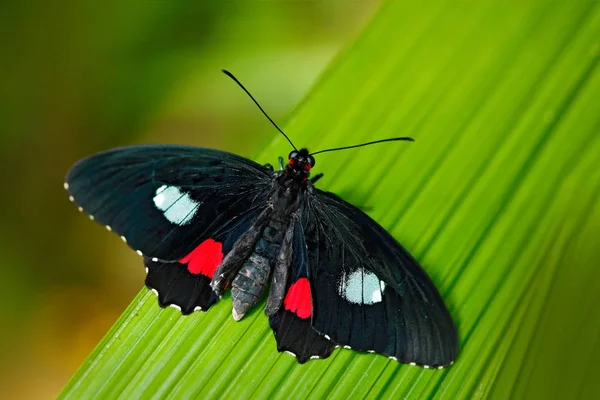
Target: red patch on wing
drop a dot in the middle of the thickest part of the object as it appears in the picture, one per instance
(298, 299)
(205, 258)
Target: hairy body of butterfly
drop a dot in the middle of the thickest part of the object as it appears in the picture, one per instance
(205, 220)
(250, 282)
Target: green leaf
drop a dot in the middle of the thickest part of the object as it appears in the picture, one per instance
(497, 198)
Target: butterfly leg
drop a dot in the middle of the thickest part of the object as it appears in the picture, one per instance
(268, 165)
(281, 167)
(316, 178)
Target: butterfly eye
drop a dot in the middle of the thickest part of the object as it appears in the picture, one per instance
(293, 154)
(311, 161)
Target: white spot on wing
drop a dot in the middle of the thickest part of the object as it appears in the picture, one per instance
(159, 198)
(71, 198)
(154, 259)
(154, 291)
(197, 308)
(376, 297)
(175, 306)
(177, 206)
(139, 253)
(66, 186)
(361, 287)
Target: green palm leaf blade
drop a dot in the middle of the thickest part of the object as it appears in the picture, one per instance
(497, 198)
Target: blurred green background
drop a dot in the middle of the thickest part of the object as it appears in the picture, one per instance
(80, 77)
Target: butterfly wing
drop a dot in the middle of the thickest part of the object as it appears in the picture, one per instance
(291, 324)
(181, 207)
(166, 200)
(185, 284)
(368, 292)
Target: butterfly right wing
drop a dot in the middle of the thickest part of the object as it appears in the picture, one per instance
(291, 324)
(368, 292)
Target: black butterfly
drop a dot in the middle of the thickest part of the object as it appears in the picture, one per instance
(205, 220)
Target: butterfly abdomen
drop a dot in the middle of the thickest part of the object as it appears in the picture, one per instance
(252, 279)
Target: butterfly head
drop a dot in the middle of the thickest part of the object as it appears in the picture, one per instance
(299, 164)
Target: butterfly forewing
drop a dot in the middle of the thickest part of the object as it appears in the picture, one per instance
(368, 292)
(166, 200)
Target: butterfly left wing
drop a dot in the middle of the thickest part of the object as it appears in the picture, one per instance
(180, 207)
(185, 284)
(368, 293)
(163, 200)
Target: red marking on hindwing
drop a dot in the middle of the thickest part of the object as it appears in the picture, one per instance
(298, 299)
(205, 258)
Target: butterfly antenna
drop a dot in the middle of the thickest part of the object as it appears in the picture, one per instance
(229, 74)
(364, 144)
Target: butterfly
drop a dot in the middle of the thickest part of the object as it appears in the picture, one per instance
(206, 221)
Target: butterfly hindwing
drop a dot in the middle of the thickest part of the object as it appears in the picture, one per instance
(292, 323)
(186, 283)
(166, 200)
(175, 285)
(368, 292)
(298, 337)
